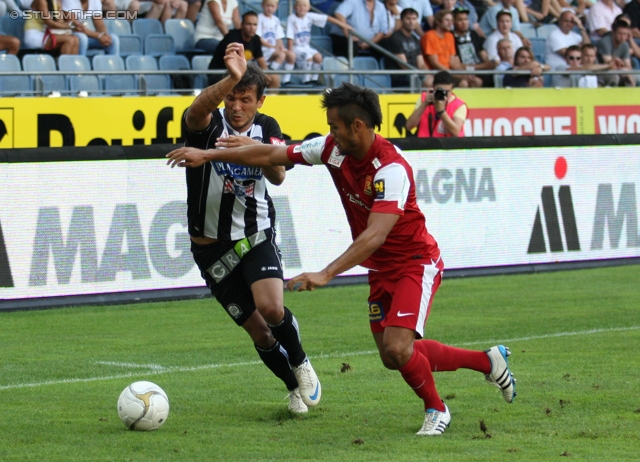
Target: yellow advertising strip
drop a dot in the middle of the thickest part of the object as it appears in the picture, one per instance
(55, 122)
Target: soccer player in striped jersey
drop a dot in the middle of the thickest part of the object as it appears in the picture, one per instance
(231, 222)
(378, 193)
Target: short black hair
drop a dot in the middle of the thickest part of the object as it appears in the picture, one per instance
(354, 102)
(249, 13)
(252, 77)
(407, 11)
(443, 78)
(619, 24)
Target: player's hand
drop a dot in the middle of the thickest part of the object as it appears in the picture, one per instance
(307, 281)
(235, 61)
(235, 141)
(186, 157)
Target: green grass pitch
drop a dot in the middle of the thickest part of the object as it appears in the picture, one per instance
(574, 335)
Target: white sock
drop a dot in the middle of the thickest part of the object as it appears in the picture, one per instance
(287, 67)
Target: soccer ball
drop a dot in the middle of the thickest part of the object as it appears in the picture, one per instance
(143, 406)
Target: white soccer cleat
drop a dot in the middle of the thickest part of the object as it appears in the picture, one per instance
(295, 402)
(435, 422)
(500, 375)
(308, 383)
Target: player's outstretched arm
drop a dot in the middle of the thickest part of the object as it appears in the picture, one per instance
(199, 113)
(263, 155)
(275, 175)
(378, 227)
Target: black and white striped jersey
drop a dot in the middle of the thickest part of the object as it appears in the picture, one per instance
(226, 201)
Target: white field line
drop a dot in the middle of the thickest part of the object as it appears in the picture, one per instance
(157, 370)
(131, 365)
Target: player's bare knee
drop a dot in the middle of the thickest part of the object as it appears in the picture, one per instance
(272, 312)
(398, 354)
(388, 364)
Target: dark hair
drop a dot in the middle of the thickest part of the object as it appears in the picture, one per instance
(623, 17)
(570, 49)
(354, 102)
(503, 13)
(442, 78)
(252, 77)
(458, 10)
(407, 11)
(249, 13)
(588, 46)
(620, 23)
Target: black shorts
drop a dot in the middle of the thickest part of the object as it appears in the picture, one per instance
(234, 291)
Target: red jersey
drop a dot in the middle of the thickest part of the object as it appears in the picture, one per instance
(382, 182)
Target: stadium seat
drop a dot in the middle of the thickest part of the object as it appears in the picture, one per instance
(15, 28)
(124, 84)
(545, 30)
(183, 32)
(76, 64)
(177, 63)
(334, 66)
(118, 27)
(365, 63)
(539, 48)
(315, 31)
(145, 27)
(86, 83)
(283, 10)
(174, 63)
(130, 44)
(379, 82)
(158, 45)
(338, 79)
(13, 85)
(200, 63)
(153, 83)
(528, 30)
(323, 44)
(43, 84)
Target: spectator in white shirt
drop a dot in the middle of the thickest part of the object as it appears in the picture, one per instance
(503, 32)
(563, 37)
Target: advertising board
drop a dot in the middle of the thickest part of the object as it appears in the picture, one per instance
(86, 227)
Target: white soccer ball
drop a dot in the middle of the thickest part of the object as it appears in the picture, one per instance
(143, 406)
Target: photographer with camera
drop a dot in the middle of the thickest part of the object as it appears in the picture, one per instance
(439, 112)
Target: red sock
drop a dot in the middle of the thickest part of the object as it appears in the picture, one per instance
(445, 358)
(417, 373)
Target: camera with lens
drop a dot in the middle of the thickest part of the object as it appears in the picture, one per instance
(440, 94)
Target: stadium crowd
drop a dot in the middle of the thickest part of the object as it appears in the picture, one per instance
(440, 35)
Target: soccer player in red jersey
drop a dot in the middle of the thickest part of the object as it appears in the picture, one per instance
(390, 238)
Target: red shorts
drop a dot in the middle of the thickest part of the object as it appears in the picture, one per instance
(403, 298)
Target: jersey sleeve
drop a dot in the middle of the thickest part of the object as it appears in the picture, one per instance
(290, 33)
(272, 131)
(307, 153)
(317, 19)
(391, 185)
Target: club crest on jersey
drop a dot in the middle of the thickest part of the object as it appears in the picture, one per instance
(379, 185)
(238, 172)
(367, 185)
(335, 159)
(239, 190)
